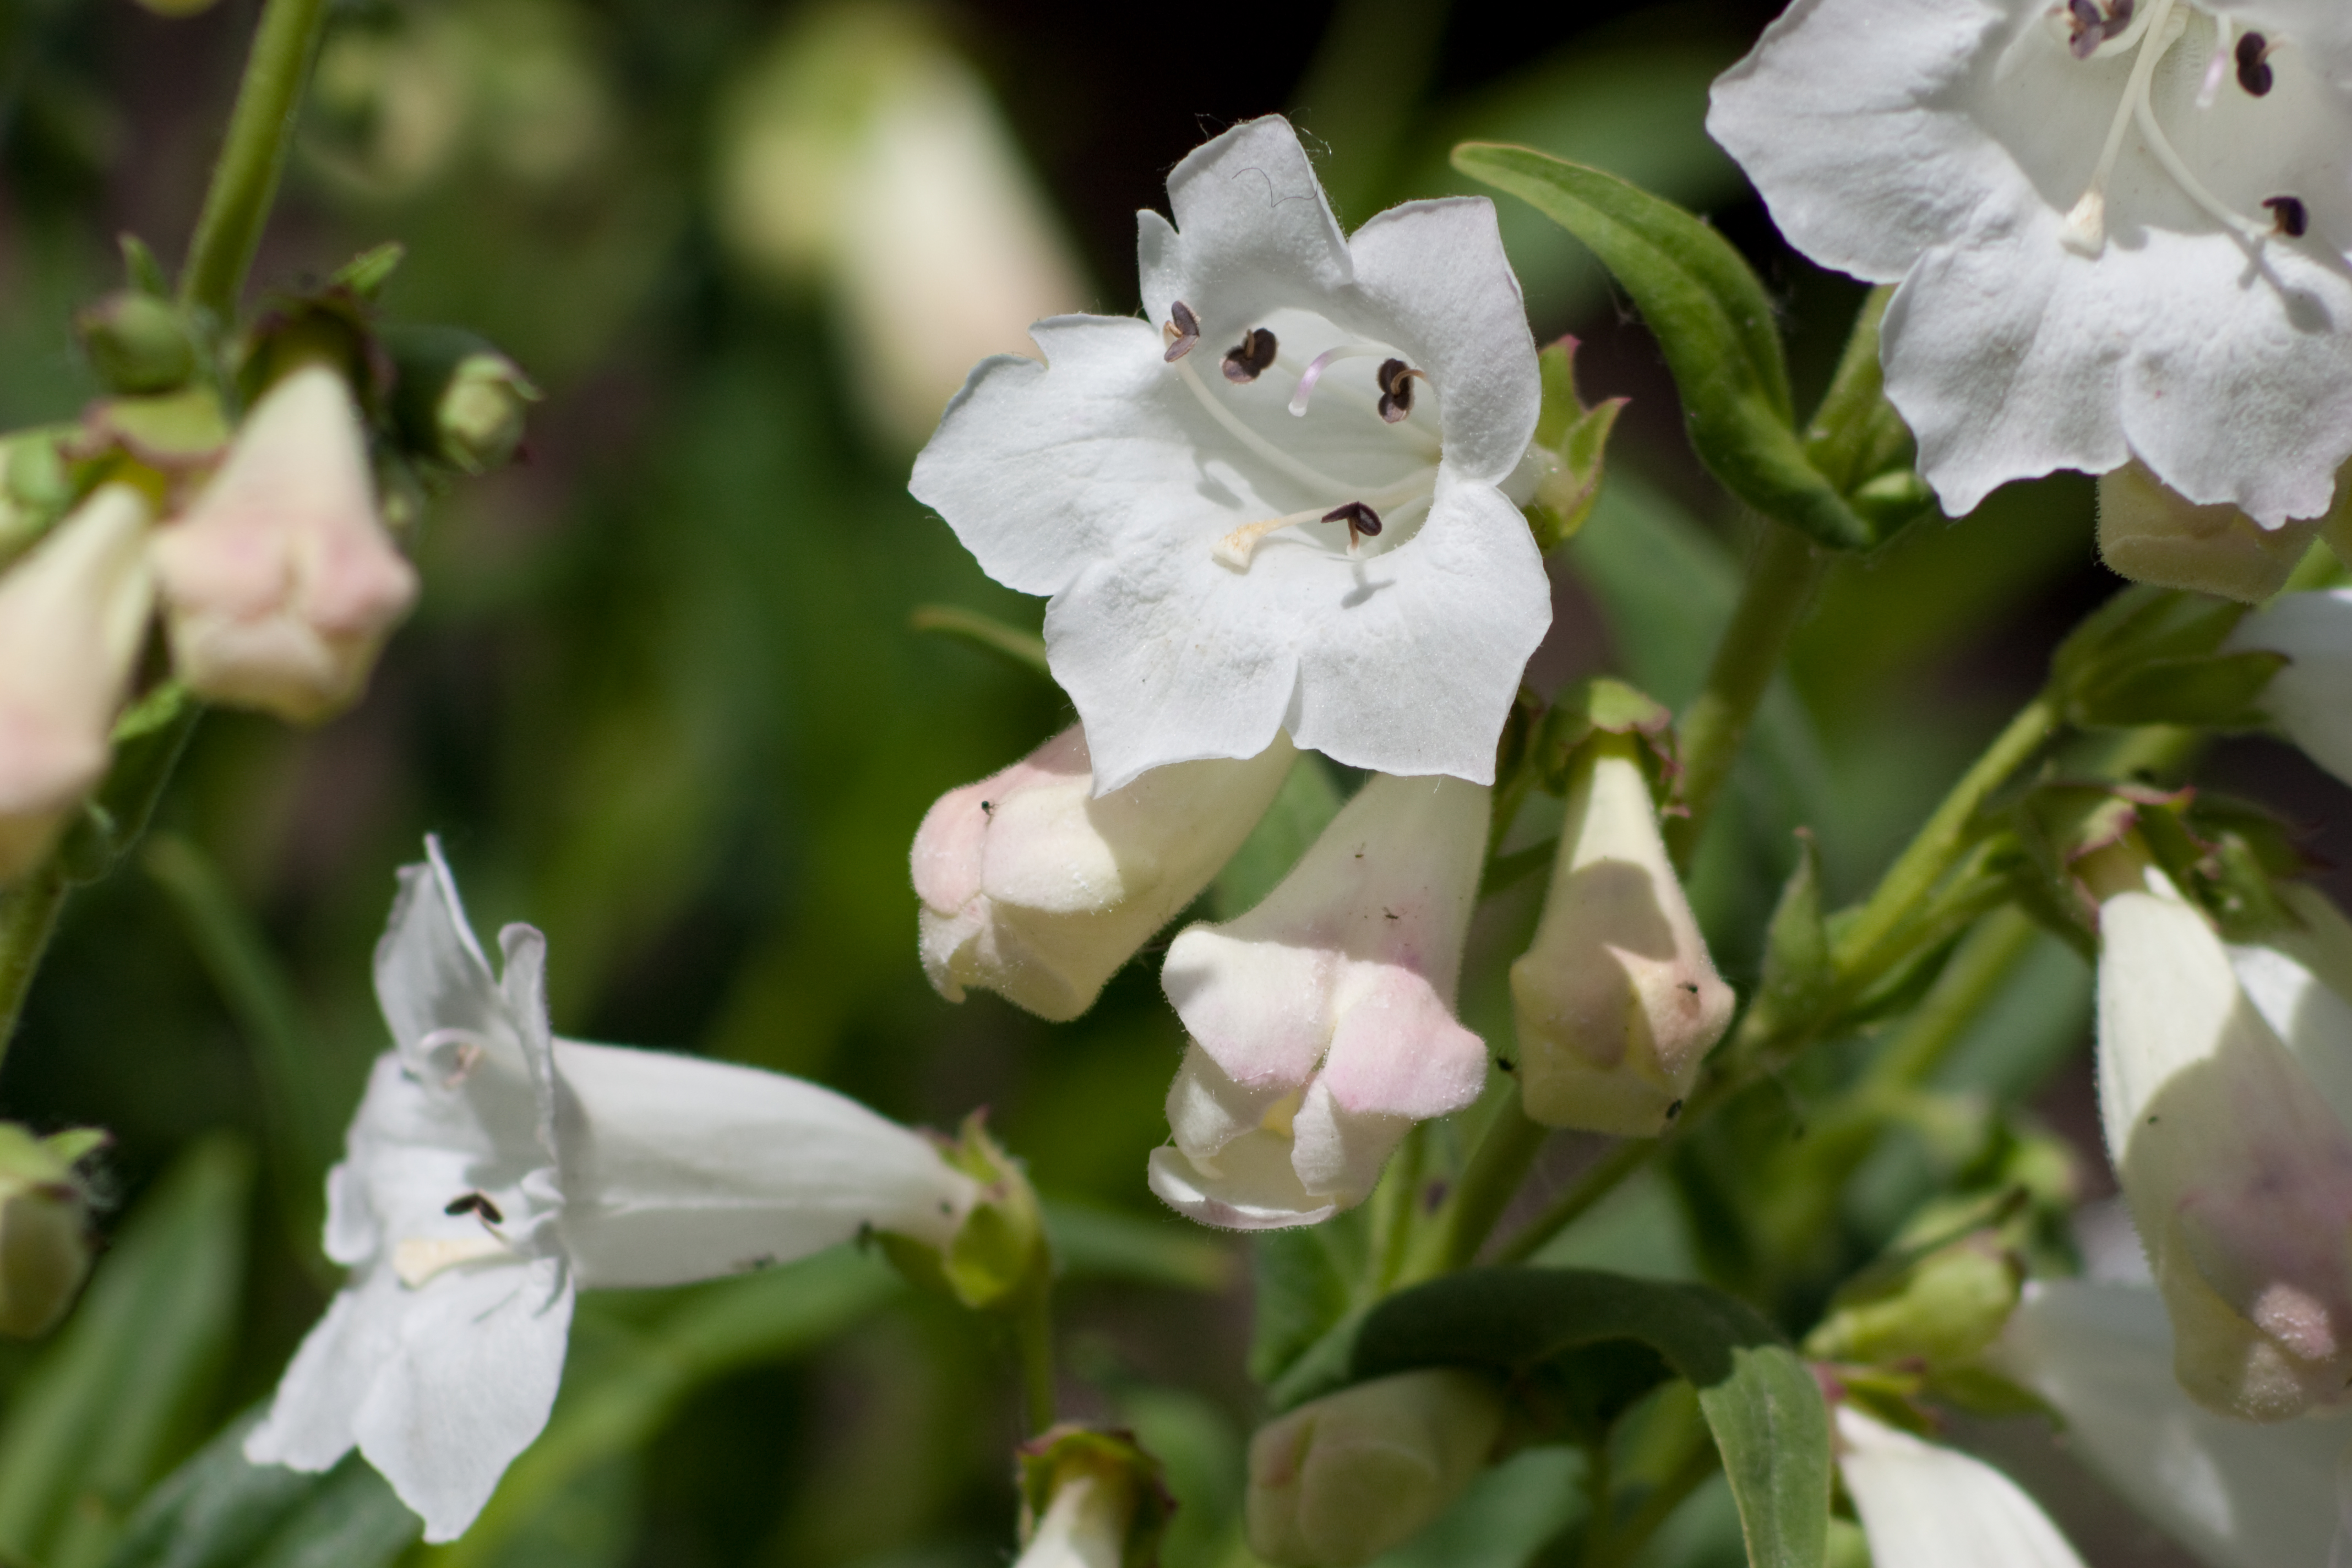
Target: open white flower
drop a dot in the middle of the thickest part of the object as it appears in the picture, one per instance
(1278, 503)
(1322, 1021)
(2121, 229)
(1927, 1506)
(493, 1170)
(2311, 698)
(2237, 1494)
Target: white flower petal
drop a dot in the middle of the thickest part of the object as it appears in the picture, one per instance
(2240, 1495)
(2308, 697)
(309, 1425)
(1925, 1506)
(1252, 229)
(466, 1387)
(1250, 1159)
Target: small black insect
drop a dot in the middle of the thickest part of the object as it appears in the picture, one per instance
(1247, 360)
(2293, 218)
(1673, 1111)
(474, 1203)
(1396, 379)
(1360, 520)
(2254, 66)
(1183, 331)
(987, 808)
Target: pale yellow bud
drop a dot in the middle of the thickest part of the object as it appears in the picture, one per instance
(2151, 534)
(45, 1243)
(1618, 1000)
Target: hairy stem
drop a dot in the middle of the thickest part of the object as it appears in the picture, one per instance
(1780, 582)
(260, 131)
(1505, 1150)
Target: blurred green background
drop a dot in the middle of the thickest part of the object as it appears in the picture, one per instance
(663, 699)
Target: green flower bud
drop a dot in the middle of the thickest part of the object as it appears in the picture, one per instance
(459, 401)
(44, 1248)
(137, 343)
(1938, 1310)
(1571, 441)
(1343, 1478)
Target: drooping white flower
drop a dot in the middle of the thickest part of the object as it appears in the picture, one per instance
(1322, 1021)
(2238, 1171)
(1927, 1506)
(1618, 1000)
(1084, 1526)
(493, 1170)
(1343, 1479)
(1277, 503)
(1036, 888)
(279, 584)
(2311, 697)
(73, 615)
(2121, 229)
(2240, 1495)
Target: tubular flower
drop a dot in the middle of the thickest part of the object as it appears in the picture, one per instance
(1618, 1000)
(73, 615)
(1276, 504)
(492, 1170)
(2239, 1495)
(2306, 698)
(2120, 229)
(1927, 1506)
(2150, 535)
(2238, 1171)
(1034, 887)
(280, 583)
(1322, 1021)
(1341, 1479)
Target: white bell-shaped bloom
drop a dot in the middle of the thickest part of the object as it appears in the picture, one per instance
(1322, 1021)
(2311, 697)
(2121, 229)
(2237, 1494)
(1927, 1506)
(2238, 1171)
(1277, 503)
(73, 615)
(1034, 887)
(1618, 1000)
(1343, 1479)
(279, 584)
(493, 1170)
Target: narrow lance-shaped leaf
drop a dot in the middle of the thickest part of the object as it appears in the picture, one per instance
(1711, 317)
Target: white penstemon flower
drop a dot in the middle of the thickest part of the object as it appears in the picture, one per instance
(1276, 504)
(493, 1170)
(1927, 1506)
(2121, 228)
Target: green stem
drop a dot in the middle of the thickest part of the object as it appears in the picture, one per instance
(1033, 1327)
(1589, 1188)
(260, 131)
(1505, 1152)
(1981, 966)
(1625, 1543)
(28, 914)
(1781, 582)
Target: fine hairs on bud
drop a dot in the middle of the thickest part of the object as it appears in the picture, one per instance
(2152, 534)
(1343, 1478)
(1618, 1000)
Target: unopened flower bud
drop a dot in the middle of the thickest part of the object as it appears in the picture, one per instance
(137, 343)
(1034, 888)
(2238, 1173)
(1618, 1000)
(279, 584)
(2306, 698)
(458, 399)
(1089, 1499)
(1341, 1479)
(2152, 534)
(45, 1243)
(1940, 1310)
(73, 615)
(1570, 450)
(1322, 1020)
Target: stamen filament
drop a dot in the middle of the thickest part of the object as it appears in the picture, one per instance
(1325, 361)
(1306, 474)
(2086, 230)
(2244, 228)
(1236, 548)
(2224, 61)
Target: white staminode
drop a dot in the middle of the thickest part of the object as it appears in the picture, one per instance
(1276, 504)
(493, 1170)
(2121, 229)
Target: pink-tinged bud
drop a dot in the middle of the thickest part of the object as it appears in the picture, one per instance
(1322, 1020)
(1034, 888)
(2152, 534)
(1343, 1478)
(279, 584)
(1618, 1000)
(2238, 1173)
(73, 615)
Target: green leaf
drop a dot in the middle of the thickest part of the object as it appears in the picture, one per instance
(1709, 314)
(218, 1511)
(1309, 798)
(106, 1405)
(1102, 1243)
(2215, 691)
(1768, 1418)
(1303, 1282)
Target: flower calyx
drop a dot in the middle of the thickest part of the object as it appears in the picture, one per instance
(1571, 444)
(999, 1258)
(1596, 707)
(45, 1241)
(1090, 1487)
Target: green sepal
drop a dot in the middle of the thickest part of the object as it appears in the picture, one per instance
(1068, 1452)
(1597, 706)
(1571, 447)
(1798, 967)
(2203, 692)
(999, 1257)
(138, 345)
(1982, 1391)
(1938, 1310)
(1711, 317)
(140, 268)
(336, 325)
(28, 1160)
(365, 275)
(172, 432)
(1893, 501)
(36, 486)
